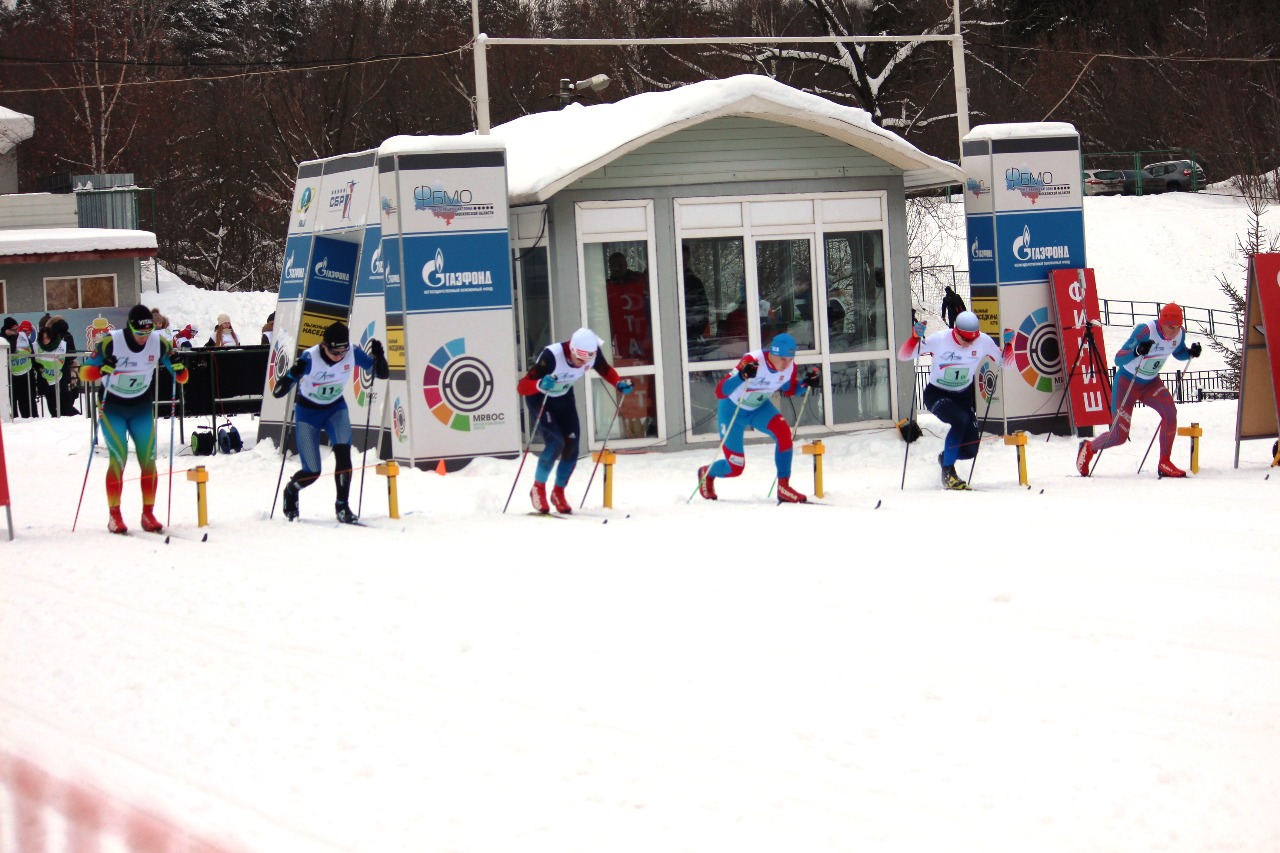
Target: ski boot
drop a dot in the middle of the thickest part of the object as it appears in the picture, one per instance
(559, 501)
(538, 495)
(291, 500)
(951, 480)
(345, 515)
(788, 495)
(706, 484)
(1084, 457)
(149, 521)
(1168, 469)
(115, 523)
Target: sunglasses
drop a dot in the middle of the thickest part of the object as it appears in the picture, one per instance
(337, 347)
(142, 327)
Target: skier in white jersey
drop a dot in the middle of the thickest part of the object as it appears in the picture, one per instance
(548, 391)
(957, 353)
(1138, 380)
(321, 374)
(744, 394)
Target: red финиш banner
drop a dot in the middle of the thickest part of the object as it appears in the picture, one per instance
(1075, 296)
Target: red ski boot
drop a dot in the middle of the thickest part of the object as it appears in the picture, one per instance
(1084, 457)
(788, 495)
(706, 484)
(539, 497)
(149, 521)
(115, 523)
(1168, 469)
(559, 501)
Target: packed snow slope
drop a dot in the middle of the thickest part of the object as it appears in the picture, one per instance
(1081, 665)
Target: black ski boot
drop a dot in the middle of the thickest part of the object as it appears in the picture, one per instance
(951, 480)
(291, 500)
(345, 515)
(343, 482)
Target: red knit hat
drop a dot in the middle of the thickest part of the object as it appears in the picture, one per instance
(1171, 314)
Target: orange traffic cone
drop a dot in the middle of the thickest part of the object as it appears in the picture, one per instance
(440, 469)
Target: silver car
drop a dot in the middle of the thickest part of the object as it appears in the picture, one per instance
(1102, 182)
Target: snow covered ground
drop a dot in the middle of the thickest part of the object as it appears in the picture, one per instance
(1082, 665)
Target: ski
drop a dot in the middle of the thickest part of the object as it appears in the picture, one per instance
(179, 537)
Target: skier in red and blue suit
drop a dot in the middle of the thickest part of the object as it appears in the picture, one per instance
(744, 395)
(1138, 364)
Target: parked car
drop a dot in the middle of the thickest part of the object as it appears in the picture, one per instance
(1130, 177)
(1102, 182)
(1173, 175)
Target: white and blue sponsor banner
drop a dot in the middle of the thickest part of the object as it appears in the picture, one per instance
(1023, 204)
(457, 398)
(366, 396)
(348, 184)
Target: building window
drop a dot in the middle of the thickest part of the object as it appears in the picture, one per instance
(4, 297)
(86, 291)
(619, 301)
(812, 266)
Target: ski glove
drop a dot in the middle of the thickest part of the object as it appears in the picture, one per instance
(546, 383)
(813, 378)
(748, 371)
(175, 361)
(625, 386)
(380, 367)
(1195, 350)
(919, 329)
(1143, 348)
(1008, 337)
(283, 384)
(295, 372)
(108, 365)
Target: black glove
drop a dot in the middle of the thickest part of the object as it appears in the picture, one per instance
(813, 378)
(1195, 350)
(295, 372)
(1143, 348)
(175, 361)
(283, 384)
(748, 371)
(108, 365)
(380, 367)
(375, 349)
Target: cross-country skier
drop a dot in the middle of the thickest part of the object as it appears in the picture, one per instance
(956, 352)
(1138, 380)
(744, 394)
(321, 373)
(126, 360)
(548, 387)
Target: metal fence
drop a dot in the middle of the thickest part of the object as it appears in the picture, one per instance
(1187, 386)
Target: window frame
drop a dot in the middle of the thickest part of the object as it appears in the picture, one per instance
(79, 280)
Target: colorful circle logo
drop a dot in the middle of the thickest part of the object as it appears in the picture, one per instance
(363, 379)
(1036, 352)
(988, 377)
(456, 384)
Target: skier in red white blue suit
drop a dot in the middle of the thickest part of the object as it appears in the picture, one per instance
(744, 395)
(548, 391)
(1138, 364)
(956, 352)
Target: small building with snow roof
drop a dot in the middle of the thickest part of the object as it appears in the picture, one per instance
(690, 226)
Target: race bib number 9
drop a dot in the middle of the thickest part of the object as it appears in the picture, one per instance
(1150, 367)
(754, 400)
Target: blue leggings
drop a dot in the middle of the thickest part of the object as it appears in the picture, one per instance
(732, 430)
(955, 409)
(559, 429)
(336, 421)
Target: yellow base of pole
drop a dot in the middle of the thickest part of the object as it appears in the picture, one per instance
(391, 470)
(1193, 432)
(1019, 440)
(200, 477)
(816, 450)
(606, 458)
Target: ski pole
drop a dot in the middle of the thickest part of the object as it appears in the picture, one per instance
(981, 427)
(1115, 421)
(1150, 444)
(284, 450)
(720, 450)
(368, 416)
(93, 444)
(910, 418)
(529, 443)
(617, 409)
(173, 408)
(794, 432)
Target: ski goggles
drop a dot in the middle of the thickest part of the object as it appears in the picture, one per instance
(141, 327)
(337, 348)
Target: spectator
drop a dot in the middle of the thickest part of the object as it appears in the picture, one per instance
(69, 381)
(49, 353)
(20, 387)
(223, 334)
(185, 337)
(162, 325)
(952, 305)
(268, 329)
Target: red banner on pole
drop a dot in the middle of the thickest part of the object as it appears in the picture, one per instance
(4, 474)
(1084, 354)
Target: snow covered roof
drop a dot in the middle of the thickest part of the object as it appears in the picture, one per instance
(541, 161)
(1021, 130)
(14, 128)
(59, 241)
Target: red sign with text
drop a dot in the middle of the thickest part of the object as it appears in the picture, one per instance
(1266, 276)
(4, 475)
(1075, 295)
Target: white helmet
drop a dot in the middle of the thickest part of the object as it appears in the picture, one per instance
(584, 344)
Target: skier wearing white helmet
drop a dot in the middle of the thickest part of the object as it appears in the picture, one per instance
(548, 392)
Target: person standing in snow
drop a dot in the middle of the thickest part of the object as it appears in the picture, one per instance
(20, 361)
(1138, 380)
(956, 352)
(952, 306)
(548, 391)
(744, 394)
(321, 373)
(125, 361)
